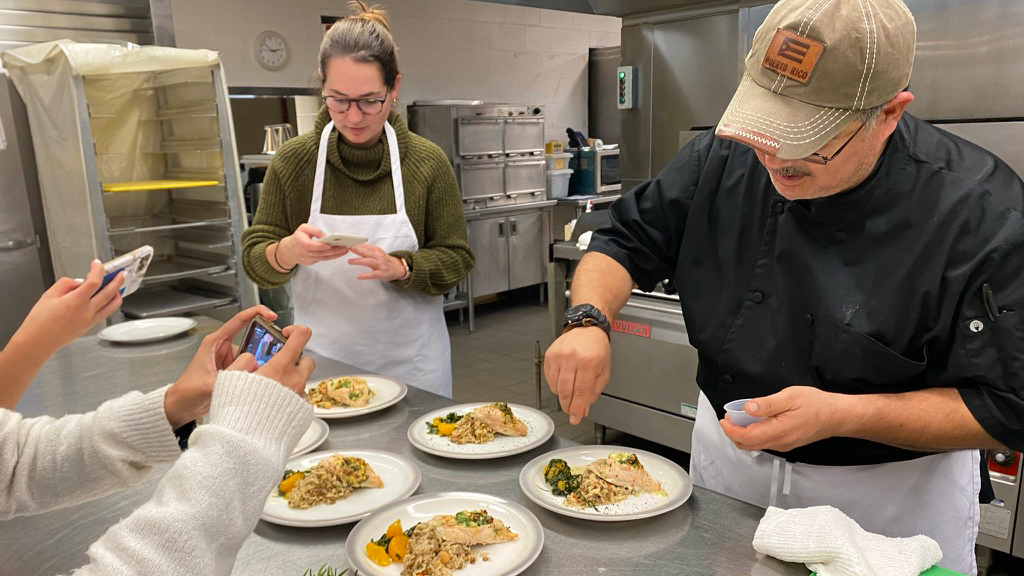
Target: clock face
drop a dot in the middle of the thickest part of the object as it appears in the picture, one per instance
(271, 50)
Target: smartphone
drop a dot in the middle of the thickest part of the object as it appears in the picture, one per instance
(134, 265)
(343, 240)
(262, 338)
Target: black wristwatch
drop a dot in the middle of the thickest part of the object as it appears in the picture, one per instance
(586, 315)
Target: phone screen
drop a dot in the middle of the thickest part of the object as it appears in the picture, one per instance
(263, 344)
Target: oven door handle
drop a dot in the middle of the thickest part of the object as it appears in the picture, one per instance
(650, 308)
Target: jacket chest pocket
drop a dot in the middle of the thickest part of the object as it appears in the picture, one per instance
(852, 362)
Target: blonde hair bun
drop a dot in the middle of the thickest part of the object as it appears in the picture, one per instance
(375, 13)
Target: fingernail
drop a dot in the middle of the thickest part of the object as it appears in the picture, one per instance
(751, 407)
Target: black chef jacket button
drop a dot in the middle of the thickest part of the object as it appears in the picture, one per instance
(757, 297)
(840, 236)
(727, 379)
(810, 319)
(779, 208)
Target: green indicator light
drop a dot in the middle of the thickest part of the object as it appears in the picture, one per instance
(622, 74)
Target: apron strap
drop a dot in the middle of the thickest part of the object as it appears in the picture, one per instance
(321, 165)
(396, 168)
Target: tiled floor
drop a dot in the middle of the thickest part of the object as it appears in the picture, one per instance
(497, 362)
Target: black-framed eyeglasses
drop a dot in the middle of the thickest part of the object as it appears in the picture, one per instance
(368, 106)
(816, 158)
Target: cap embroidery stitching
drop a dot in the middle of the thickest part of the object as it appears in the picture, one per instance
(819, 129)
(813, 137)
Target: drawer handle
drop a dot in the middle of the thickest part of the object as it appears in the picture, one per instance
(501, 229)
(649, 308)
(515, 229)
(16, 244)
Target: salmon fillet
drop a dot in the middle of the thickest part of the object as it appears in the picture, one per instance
(352, 471)
(472, 527)
(624, 469)
(499, 417)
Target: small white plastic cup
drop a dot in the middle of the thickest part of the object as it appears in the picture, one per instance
(734, 413)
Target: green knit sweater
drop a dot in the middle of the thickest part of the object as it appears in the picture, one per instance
(358, 181)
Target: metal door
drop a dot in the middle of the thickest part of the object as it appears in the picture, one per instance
(481, 179)
(528, 240)
(25, 264)
(649, 329)
(524, 135)
(525, 177)
(480, 136)
(489, 241)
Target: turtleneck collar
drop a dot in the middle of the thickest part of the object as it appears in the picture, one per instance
(363, 164)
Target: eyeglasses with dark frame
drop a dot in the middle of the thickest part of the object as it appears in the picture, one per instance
(368, 106)
(816, 158)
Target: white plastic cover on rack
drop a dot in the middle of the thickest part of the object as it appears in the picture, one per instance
(111, 77)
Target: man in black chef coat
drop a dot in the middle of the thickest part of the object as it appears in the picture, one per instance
(853, 270)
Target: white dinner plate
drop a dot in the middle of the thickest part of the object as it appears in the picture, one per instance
(385, 393)
(674, 480)
(400, 476)
(148, 330)
(539, 427)
(314, 436)
(506, 558)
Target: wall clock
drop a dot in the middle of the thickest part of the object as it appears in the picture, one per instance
(271, 50)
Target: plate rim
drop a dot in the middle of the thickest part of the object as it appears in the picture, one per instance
(572, 513)
(325, 431)
(113, 328)
(462, 456)
(402, 392)
(355, 561)
(417, 478)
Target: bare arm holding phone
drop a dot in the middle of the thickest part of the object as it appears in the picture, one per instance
(65, 312)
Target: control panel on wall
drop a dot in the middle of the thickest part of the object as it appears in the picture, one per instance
(627, 78)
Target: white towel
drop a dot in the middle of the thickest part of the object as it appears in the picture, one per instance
(832, 544)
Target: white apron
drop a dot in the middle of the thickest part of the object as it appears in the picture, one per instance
(935, 495)
(368, 323)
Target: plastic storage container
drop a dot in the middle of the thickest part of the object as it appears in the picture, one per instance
(558, 161)
(558, 183)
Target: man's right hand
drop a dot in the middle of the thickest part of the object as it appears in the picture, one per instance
(577, 367)
(301, 248)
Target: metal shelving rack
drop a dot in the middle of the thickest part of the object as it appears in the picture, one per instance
(174, 187)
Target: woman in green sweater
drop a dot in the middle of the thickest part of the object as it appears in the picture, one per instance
(376, 305)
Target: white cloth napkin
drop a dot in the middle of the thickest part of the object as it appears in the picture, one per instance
(832, 544)
(584, 240)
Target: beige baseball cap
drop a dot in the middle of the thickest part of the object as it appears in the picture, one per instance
(813, 66)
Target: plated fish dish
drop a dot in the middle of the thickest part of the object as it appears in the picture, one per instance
(330, 480)
(440, 545)
(350, 391)
(480, 426)
(606, 481)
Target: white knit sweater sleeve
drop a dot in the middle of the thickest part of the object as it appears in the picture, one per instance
(210, 500)
(48, 463)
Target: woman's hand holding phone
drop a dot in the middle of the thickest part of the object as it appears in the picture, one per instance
(301, 248)
(190, 395)
(69, 308)
(288, 366)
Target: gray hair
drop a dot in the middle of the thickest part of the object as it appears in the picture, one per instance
(869, 116)
(363, 37)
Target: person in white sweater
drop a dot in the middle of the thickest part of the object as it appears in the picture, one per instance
(211, 498)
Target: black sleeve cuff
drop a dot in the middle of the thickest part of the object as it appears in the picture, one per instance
(184, 433)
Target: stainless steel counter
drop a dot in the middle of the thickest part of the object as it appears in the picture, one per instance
(709, 535)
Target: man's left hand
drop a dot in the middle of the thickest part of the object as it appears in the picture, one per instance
(382, 265)
(793, 417)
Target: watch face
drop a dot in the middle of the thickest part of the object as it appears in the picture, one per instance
(577, 313)
(271, 51)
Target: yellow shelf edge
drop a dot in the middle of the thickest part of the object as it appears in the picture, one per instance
(156, 185)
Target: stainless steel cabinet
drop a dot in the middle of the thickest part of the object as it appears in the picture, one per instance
(527, 241)
(510, 251)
